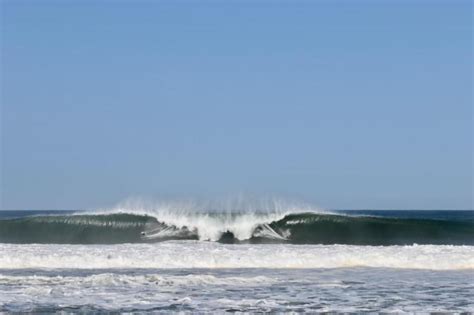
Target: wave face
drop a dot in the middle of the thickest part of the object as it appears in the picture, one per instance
(254, 227)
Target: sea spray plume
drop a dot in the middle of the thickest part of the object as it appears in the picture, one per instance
(238, 218)
(296, 228)
(229, 221)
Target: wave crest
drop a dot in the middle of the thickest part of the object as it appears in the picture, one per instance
(121, 226)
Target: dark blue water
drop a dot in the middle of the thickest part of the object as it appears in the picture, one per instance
(459, 215)
(452, 215)
(10, 214)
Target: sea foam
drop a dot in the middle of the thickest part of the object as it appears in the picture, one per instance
(196, 254)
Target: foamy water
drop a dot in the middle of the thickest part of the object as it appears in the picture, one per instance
(237, 290)
(196, 254)
(172, 260)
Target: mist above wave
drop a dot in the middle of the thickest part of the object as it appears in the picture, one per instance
(210, 220)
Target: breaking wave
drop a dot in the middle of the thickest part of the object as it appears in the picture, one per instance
(124, 226)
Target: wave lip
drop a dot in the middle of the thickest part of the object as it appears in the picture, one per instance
(248, 227)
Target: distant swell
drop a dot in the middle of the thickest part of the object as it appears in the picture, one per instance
(296, 228)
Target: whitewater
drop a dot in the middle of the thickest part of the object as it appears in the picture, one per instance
(196, 254)
(283, 259)
(255, 227)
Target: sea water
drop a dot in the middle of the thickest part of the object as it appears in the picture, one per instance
(279, 261)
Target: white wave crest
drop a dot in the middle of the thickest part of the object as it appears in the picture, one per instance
(209, 220)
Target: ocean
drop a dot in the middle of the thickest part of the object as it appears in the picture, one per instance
(283, 260)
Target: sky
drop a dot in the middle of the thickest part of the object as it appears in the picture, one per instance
(343, 104)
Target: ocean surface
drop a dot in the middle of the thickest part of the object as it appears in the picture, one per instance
(279, 260)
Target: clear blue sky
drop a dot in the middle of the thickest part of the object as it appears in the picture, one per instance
(344, 104)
